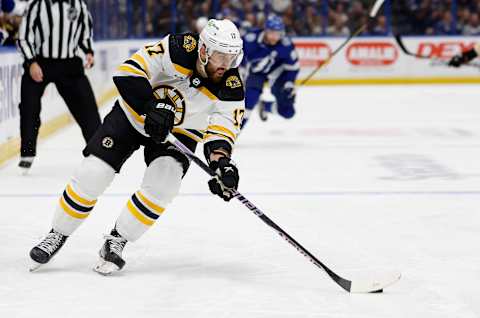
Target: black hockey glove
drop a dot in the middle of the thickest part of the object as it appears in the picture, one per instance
(159, 119)
(463, 58)
(226, 179)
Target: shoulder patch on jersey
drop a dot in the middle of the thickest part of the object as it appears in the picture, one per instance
(233, 82)
(189, 43)
(232, 87)
(182, 50)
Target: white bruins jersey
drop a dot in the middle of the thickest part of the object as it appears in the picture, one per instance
(205, 111)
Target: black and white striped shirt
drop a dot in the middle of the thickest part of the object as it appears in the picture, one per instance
(55, 29)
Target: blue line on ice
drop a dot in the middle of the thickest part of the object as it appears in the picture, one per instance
(319, 193)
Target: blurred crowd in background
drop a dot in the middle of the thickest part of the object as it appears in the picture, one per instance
(154, 18)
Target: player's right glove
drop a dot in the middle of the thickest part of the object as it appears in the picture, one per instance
(159, 119)
(226, 179)
(463, 58)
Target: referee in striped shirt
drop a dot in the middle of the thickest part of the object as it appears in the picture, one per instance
(50, 36)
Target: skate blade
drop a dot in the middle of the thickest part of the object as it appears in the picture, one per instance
(263, 115)
(34, 266)
(105, 268)
(24, 171)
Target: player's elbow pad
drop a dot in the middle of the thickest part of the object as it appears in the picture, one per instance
(136, 91)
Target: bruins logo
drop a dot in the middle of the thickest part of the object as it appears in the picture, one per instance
(189, 43)
(107, 142)
(167, 91)
(233, 82)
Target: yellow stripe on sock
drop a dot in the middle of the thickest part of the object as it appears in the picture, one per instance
(71, 193)
(71, 212)
(158, 209)
(138, 215)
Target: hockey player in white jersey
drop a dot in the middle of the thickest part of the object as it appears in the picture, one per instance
(186, 84)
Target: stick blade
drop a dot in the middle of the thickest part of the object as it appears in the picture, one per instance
(375, 285)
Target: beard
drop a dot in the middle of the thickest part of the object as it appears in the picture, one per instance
(212, 73)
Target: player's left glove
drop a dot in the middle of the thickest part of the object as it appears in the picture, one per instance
(159, 119)
(463, 58)
(226, 179)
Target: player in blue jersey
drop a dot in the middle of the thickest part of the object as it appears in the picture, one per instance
(270, 56)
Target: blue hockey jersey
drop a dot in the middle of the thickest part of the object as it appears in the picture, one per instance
(270, 61)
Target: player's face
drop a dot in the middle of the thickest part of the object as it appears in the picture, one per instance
(272, 37)
(218, 64)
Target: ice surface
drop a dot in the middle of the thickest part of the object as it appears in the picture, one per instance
(367, 178)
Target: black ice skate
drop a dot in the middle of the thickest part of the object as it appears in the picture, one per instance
(111, 254)
(262, 112)
(25, 164)
(43, 252)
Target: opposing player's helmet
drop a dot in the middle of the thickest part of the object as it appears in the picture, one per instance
(274, 23)
(222, 36)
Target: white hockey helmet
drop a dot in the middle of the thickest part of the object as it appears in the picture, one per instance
(221, 36)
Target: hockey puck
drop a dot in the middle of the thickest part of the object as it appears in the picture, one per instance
(377, 291)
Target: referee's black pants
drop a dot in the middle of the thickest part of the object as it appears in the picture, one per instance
(69, 77)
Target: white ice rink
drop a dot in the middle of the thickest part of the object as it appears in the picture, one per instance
(369, 179)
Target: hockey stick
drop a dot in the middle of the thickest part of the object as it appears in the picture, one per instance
(366, 286)
(401, 45)
(373, 12)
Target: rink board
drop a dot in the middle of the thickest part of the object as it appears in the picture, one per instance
(370, 60)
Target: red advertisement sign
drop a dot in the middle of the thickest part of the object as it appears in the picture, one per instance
(373, 53)
(312, 53)
(445, 49)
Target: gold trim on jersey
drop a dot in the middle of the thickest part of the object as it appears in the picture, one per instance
(189, 133)
(130, 69)
(139, 59)
(207, 93)
(211, 135)
(132, 63)
(185, 71)
(222, 130)
(135, 115)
